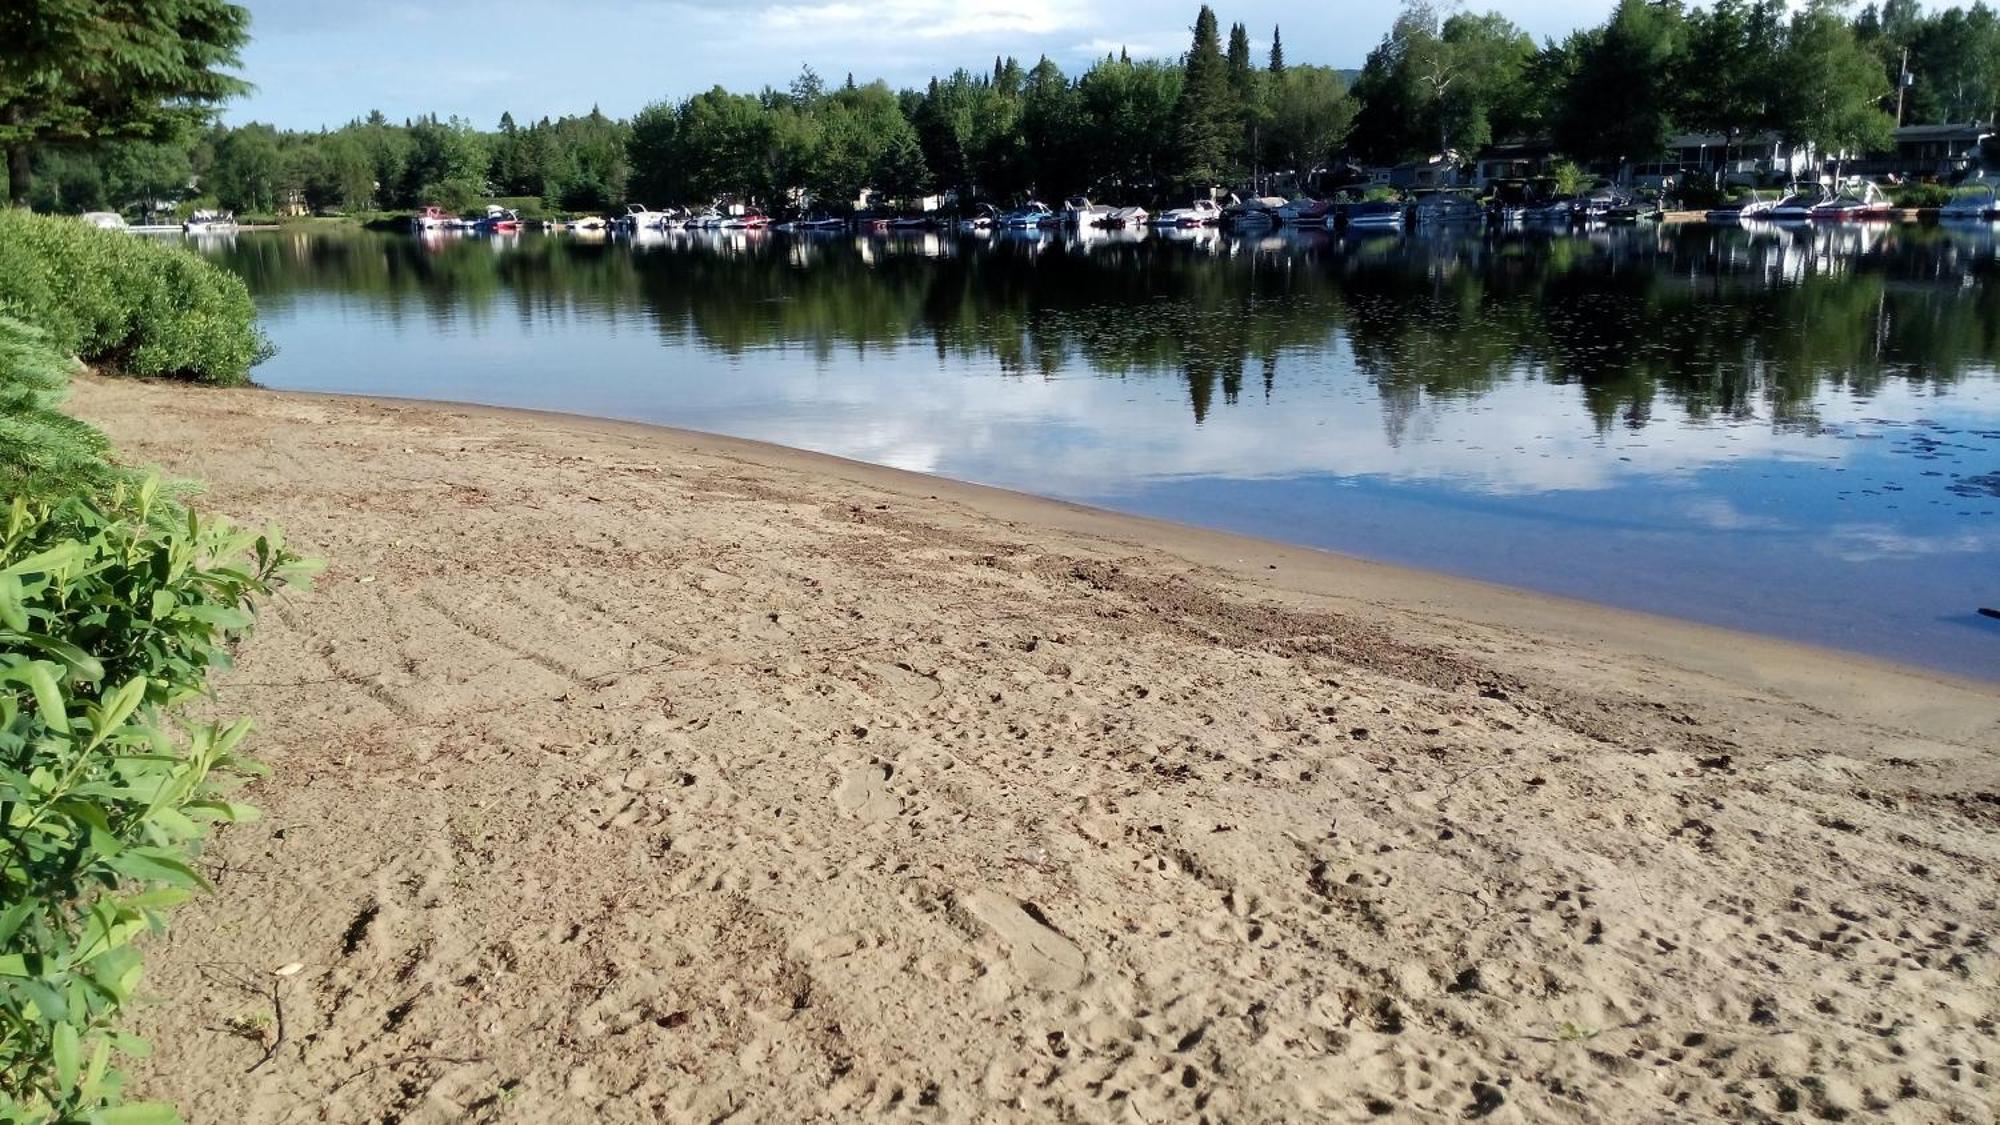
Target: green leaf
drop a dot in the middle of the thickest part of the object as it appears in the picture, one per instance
(13, 614)
(82, 665)
(39, 676)
(68, 1056)
(47, 1000)
(55, 558)
(117, 709)
(222, 617)
(156, 865)
(137, 1113)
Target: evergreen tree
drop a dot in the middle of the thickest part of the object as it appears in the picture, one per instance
(1239, 55)
(1277, 51)
(1206, 115)
(83, 71)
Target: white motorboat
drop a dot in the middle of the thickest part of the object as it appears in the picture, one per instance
(429, 219)
(984, 216)
(638, 216)
(209, 222)
(1859, 201)
(1200, 213)
(1798, 203)
(1372, 214)
(1080, 212)
(1744, 208)
(1032, 215)
(1975, 201)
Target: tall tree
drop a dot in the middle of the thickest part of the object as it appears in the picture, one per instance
(1277, 51)
(1206, 115)
(1310, 116)
(1831, 90)
(83, 71)
(1620, 101)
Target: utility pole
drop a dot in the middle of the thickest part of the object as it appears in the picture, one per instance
(1902, 85)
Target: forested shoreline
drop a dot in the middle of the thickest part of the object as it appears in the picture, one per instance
(1227, 113)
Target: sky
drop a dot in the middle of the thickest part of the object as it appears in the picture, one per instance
(315, 63)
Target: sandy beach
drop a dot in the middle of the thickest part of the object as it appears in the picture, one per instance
(626, 775)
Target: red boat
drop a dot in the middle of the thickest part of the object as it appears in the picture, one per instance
(498, 220)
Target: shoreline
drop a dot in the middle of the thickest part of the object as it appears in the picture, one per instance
(625, 775)
(1292, 570)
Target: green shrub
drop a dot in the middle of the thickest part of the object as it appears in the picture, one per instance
(112, 615)
(127, 303)
(1921, 195)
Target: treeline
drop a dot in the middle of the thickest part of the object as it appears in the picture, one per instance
(578, 163)
(1223, 114)
(1620, 90)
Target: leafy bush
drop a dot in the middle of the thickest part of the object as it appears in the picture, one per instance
(1921, 195)
(112, 615)
(127, 303)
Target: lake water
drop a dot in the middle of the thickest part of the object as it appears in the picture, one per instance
(1795, 432)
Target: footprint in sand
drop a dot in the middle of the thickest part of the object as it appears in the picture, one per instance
(864, 793)
(1043, 957)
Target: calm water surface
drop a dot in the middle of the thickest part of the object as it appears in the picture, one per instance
(1790, 431)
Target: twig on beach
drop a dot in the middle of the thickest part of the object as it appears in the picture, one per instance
(403, 1060)
(278, 1040)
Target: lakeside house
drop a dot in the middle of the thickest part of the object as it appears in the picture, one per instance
(1439, 169)
(1513, 160)
(1746, 158)
(1945, 152)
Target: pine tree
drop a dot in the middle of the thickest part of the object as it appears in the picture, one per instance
(1239, 55)
(89, 70)
(1277, 51)
(1206, 114)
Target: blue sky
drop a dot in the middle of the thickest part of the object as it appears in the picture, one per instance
(317, 64)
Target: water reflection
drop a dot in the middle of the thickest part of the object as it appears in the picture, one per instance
(1664, 417)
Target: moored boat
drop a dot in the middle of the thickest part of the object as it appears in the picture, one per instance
(750, 219)
(1249, 215)
(499, 220)
(1200, 213)
(1120, 217)
(1080, 212)
(209, 222)
(1437, 207)
(1373, 214)
(1798, 202)
(1859, 201)
(1974, 201)
(983, 216)
(1304, 211)
(1032, 215)
(1754, 205)
(638, 216)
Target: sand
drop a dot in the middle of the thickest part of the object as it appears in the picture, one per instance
(622, 774)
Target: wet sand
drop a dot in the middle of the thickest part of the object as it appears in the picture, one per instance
(625, 774)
